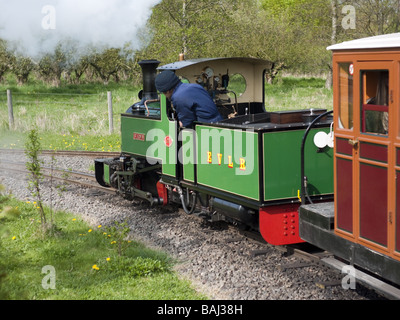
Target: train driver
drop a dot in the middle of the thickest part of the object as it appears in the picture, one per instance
(191, 101)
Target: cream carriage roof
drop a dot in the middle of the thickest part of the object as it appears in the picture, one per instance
(376, 42)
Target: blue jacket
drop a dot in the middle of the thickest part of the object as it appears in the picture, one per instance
(193, 103)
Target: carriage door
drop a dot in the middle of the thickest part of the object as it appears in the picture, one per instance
(363, 158)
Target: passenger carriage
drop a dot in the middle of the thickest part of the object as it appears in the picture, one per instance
(362, 226)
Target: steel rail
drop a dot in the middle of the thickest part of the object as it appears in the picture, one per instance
(92, 154)
(62, 171)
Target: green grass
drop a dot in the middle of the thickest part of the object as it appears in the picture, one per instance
(298, 93)
(64, 114)
(85, 261)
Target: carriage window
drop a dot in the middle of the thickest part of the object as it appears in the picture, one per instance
(346, 95)
(374, 101)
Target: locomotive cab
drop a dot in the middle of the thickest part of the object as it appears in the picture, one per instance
(235, 84)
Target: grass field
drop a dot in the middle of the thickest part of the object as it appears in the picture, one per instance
(67, 117)
(83, 259)
(298, 93)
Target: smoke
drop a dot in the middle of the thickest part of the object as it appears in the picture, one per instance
(36, 27)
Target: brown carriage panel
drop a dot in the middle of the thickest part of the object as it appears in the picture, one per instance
(344, 147)
(372, 151)
(373, 203)
(397, 156)
(344, 194)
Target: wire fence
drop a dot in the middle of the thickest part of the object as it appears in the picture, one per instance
(49, 99)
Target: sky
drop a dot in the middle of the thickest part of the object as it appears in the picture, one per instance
(35, 27)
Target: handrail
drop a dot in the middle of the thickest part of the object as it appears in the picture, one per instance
(302, 188)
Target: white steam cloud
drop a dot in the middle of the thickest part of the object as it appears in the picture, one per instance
(35, 27)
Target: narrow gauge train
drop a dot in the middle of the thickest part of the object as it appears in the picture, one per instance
(245, 169)
(282, 173)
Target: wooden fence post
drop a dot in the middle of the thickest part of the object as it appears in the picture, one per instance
(10, 110)
(110, 112)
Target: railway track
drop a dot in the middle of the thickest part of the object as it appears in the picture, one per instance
(63, 174)
(69, 153)
(58, 174)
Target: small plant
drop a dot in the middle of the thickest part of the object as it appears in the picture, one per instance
(3, 196)
(33, 164)
(118, 234)
(59, 187)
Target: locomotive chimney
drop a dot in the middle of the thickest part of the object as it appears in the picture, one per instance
(149, 71)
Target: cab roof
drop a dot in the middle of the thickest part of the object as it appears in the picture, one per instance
(186, 63)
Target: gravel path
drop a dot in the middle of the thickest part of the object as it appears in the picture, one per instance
(215, 257)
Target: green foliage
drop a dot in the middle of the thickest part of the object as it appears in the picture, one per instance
(22, 67)
(108, 63)
(5, 58)
(293, 34)
(136, 267)
(118, 233)
(203, 28)
(51, 66)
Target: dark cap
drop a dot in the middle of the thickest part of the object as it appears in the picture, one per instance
(166, 80)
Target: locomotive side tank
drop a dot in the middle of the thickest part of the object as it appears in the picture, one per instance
(245, 169)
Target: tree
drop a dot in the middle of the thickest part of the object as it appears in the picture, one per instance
(197, 28)
(76, 68)
(108, 63)
(4, 59)
(375, 17)
(275, 30)
(76, 60)
(51, 66)
(299, 33)
(22, 67)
